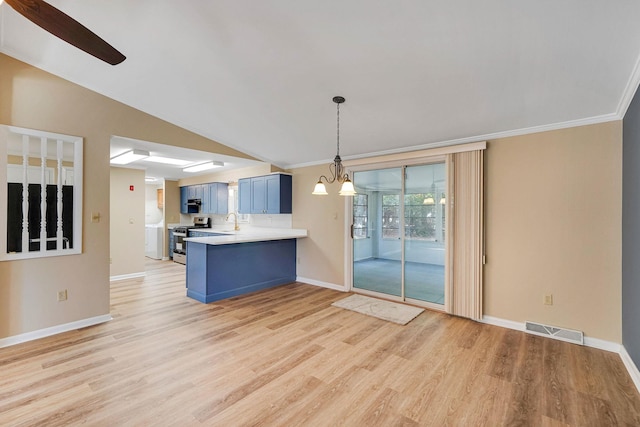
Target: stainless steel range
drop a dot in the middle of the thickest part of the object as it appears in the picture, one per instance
(180, 233)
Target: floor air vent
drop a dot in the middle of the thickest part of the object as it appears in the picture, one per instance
(562, 334)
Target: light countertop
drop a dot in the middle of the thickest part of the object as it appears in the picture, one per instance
(253, 234)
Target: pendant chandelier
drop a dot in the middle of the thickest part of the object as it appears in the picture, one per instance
(337, 170)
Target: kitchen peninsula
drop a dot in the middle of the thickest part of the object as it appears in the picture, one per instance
(232, 263)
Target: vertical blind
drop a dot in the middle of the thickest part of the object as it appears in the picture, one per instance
(468, 234)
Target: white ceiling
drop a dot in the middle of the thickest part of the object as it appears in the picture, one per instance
(259, 76)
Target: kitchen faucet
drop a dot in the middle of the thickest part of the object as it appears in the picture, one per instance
(236, 227)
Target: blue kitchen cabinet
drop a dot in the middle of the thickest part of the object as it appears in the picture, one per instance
(205, 208)
(244, 196)
(187, 193)
(213, 196)
(184, 196)
(269, 194)
(278, 194)
(171, 243)
(258, 195)
(222, 191)
(212, 277)
(195, 191)
(216, 198)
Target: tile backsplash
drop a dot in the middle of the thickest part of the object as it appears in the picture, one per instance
(266, 220)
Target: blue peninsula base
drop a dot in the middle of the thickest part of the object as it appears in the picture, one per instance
(216, 272)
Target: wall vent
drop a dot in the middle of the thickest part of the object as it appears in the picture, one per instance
(562, 334)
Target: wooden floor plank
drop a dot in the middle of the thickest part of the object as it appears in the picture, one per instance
(285, 356)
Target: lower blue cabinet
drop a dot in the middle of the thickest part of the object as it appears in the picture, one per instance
(171, 244)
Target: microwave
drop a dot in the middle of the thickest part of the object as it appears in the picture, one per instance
(193, 205)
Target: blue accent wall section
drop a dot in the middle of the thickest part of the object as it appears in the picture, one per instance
(631, 231)
(216, 272)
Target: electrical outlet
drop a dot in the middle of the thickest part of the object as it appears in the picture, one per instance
(548, 299)
(62, 295)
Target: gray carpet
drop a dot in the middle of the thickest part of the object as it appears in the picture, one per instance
(423, 282)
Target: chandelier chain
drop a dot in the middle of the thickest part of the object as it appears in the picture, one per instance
(338, 128)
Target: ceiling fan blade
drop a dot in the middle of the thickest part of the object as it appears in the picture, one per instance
(68, 29)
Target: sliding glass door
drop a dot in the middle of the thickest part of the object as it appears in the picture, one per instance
(377, 247)
(424, 232)
(399, 229)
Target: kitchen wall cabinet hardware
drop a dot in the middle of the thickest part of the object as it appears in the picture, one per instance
(269, 194)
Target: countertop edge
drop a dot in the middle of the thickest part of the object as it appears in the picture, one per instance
(244, 238)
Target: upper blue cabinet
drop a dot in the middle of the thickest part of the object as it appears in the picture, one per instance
(184, 197)
(216, 198)
(244, 195)
(213, 198)
(196, 191)
(269, 194)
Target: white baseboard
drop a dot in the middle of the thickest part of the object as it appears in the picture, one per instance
(631, 367)
(588, 341)
(518, 326)
(53, 330)
(602, 344)
(127, 276)
(322, 284)
(509, 324)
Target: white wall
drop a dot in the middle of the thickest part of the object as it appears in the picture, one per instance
(152, 214)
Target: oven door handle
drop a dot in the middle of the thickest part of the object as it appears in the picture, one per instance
(179, 234)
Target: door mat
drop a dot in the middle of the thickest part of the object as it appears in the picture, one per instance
(385, 310)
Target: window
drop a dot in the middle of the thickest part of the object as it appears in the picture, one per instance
(424, 216)
(41, 183)
(360, 216)
(390, 216)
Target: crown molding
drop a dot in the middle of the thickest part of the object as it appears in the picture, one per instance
(486, 137)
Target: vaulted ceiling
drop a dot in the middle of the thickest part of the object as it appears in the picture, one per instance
(259, 76)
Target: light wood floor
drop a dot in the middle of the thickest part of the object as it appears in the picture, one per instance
(286, 357)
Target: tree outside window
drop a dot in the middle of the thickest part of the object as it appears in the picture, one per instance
(421, 216)
(390, 216)
(424, 216)
(360, 216)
